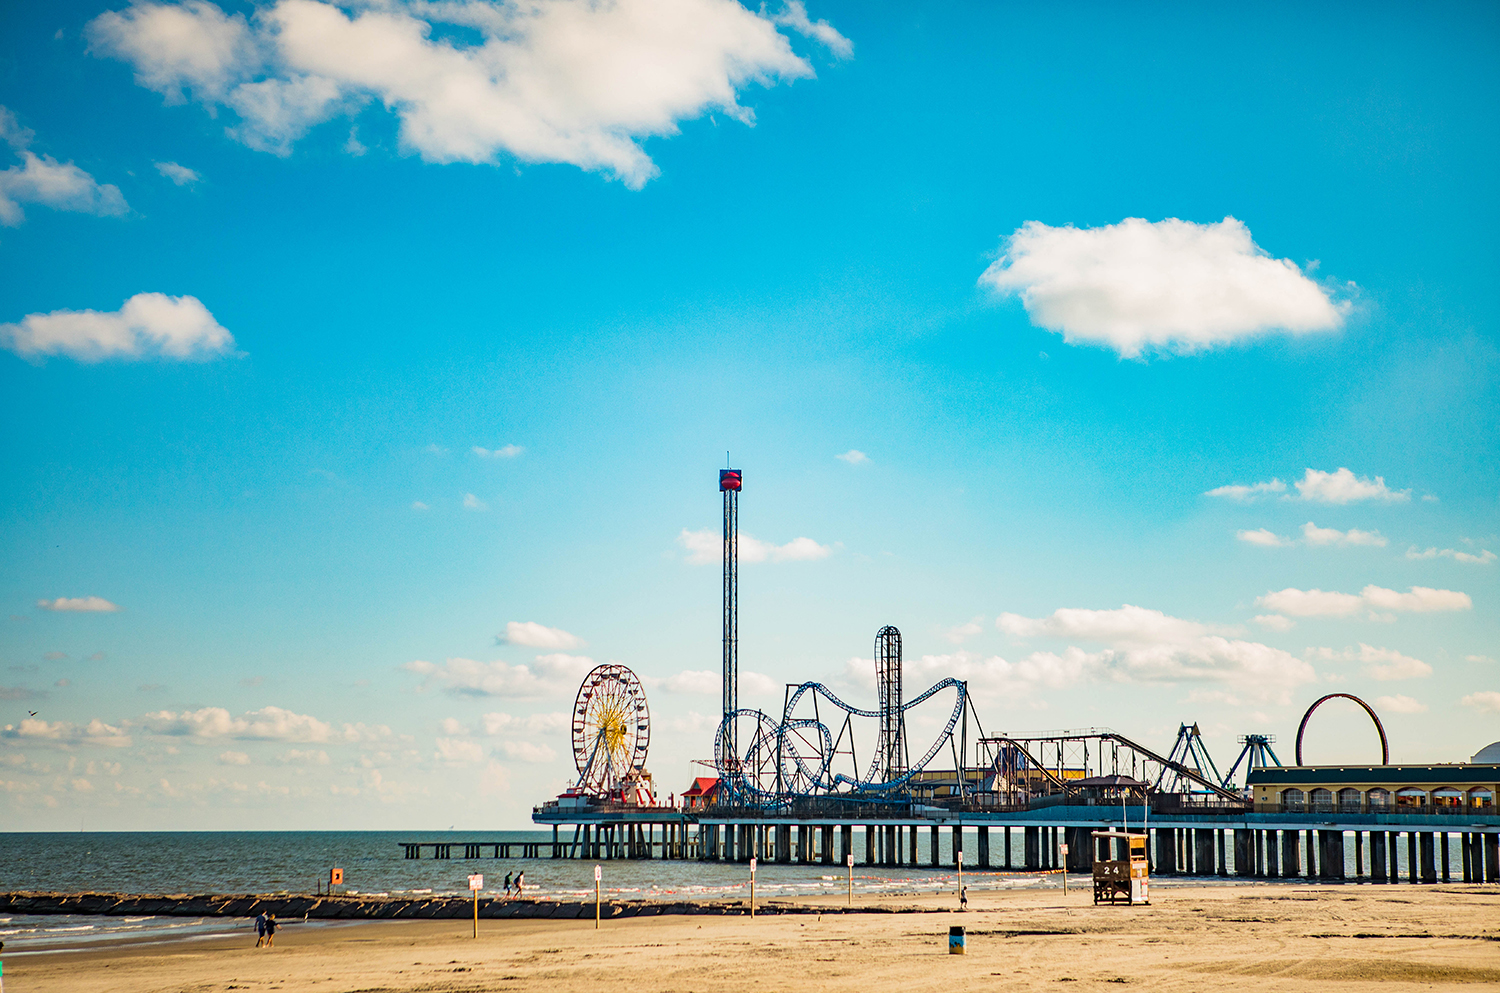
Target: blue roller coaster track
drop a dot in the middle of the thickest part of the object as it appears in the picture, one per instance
(784, 760)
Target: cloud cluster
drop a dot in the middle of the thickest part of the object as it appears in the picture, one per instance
(148, 325)
(1485, 556)
(535, 635)
(1171, 286)
(548, 675)
(1318, 603)
(1484, 701)
(266, 724)
(43, 180)
(1147, 645)
(507, 452)
(1338, 487)
(1382, 664)
(1315, 536)
(81, 604)
(95, 732)
(573, 81)
(707, 546)
(179, 174)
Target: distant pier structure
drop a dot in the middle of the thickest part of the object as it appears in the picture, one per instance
(805, 787)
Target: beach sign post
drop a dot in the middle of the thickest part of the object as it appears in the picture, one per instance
(598, 875)
(960, 874)
(476, 883)
(1064, 849)
(752, 886)
(849, 861)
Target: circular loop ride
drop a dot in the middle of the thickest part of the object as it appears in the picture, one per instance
(1385, 749)
(795, 758)
(611, 732)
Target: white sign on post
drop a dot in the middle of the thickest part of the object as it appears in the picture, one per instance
(960, 856)
(752, 864)
(849, 860)
(476, 882)
(598, 873)
(1064, 849)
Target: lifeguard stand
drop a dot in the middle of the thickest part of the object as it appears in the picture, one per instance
(1127, 878)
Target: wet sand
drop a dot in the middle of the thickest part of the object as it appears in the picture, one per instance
(1266, 938)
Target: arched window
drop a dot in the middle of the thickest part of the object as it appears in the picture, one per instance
(1321, 799)
(1482, 797)
(1379, 799)
(1349, 800)
(1293, 799)
(1410, 797)
(1447, 797)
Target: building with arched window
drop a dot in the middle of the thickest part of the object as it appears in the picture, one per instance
(1459, 788)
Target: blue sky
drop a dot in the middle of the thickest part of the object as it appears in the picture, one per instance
(792, 233)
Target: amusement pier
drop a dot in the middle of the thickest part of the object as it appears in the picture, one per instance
(831, 783)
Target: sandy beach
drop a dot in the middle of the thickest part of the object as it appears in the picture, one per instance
(1276, 937)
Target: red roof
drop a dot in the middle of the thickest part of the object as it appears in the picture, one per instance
(702, 786)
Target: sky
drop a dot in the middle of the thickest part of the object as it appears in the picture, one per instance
(366, 367)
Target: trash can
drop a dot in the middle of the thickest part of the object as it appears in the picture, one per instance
(956, 940)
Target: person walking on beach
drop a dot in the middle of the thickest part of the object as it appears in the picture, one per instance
(270, 930)
(963, 899)
(520, 884)
(260, 929)
(507, 885)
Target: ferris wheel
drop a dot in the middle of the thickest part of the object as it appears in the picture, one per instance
(611, 731)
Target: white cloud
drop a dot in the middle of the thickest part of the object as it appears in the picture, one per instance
(1342, 486)
(1315, 535)
(83, 604)
(419, 505)
(472, 502)
(707, 546)
(536, 635)
(1274, 622)
(1400, 705)
(569, 81)
(179, 174)
(1239, 491)
(1318, 603)
(233, 758)
(458, 752)
(526, 751)
(1478, 658)
(95, 732)
(1263, 537)
(1171, 286)
(303, 756)
(1485, 556)
(962, 632)
(1484, 701)
(149, 324)
(853, 456)
(1382, 664)
(265, 724)
(508, 452)
(549, 675)
(42, 179)
(1148, 646)
(794, 16)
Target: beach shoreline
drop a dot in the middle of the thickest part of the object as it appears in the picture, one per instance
(1445, 936)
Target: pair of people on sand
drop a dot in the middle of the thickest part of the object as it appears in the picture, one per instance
(519, 884)
(265, 930)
